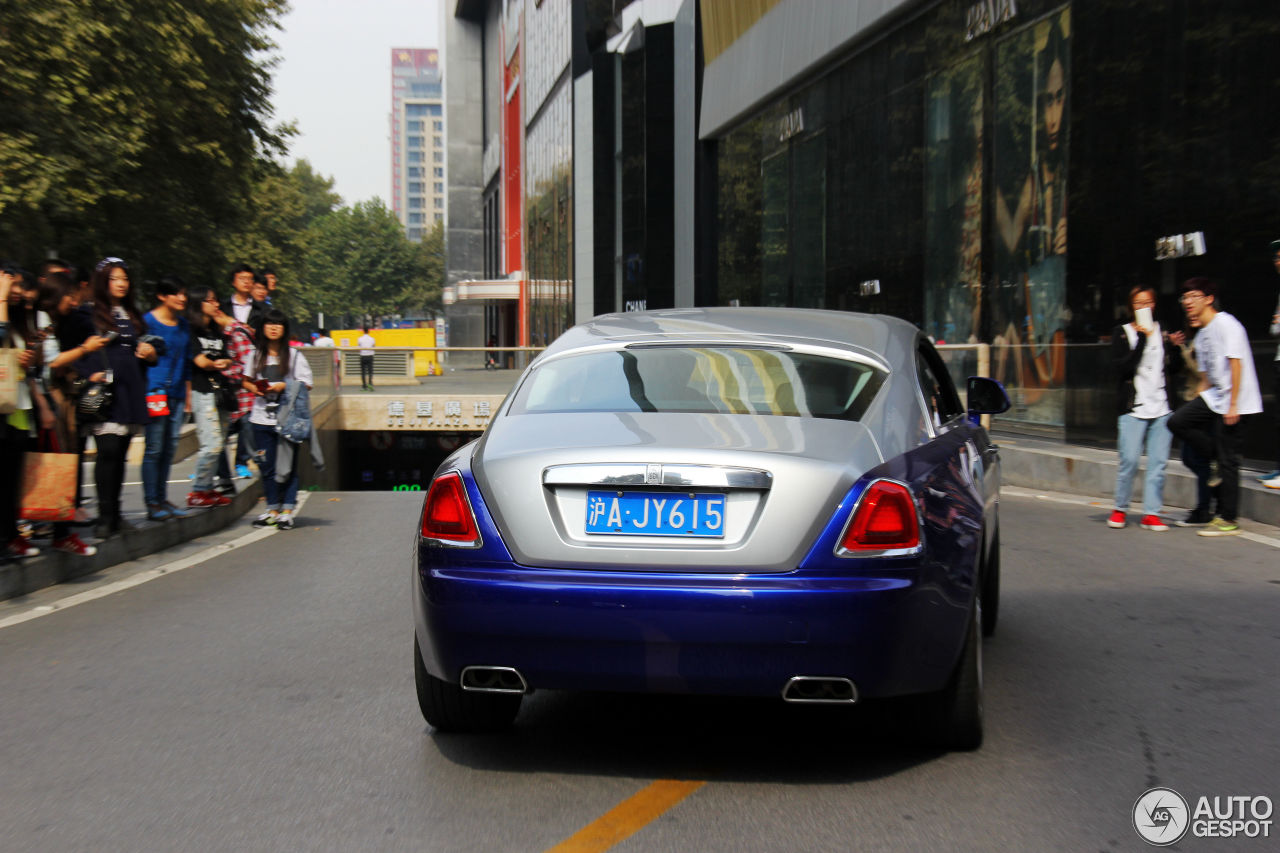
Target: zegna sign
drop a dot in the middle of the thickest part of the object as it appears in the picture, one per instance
(981, 18)
(791, 124)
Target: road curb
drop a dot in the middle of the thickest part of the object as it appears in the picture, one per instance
(1089, 471)
(23, 577)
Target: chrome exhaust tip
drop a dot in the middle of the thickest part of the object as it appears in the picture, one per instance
(493, 679)
(815, 690)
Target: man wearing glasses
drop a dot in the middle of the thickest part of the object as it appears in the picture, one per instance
(1211, 422)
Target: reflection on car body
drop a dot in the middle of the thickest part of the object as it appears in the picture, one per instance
(731, 501)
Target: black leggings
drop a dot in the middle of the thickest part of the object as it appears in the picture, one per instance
(108, 473)
(13, 446)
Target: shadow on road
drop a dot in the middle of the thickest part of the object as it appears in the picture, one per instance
(694, 737)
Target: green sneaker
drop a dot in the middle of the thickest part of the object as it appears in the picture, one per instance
(1219, 527)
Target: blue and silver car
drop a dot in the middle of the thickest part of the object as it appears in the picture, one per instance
(736, 501)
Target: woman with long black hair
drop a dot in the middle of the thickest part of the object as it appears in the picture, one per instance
(57, 301)
(274, 365)
(121, 363)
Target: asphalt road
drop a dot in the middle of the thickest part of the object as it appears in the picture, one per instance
(262, 699)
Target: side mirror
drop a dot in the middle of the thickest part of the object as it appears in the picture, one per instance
(986, 397)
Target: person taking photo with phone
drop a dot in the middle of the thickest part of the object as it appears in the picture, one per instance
(1148, 362)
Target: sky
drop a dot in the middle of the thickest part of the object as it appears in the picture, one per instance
(334, 82)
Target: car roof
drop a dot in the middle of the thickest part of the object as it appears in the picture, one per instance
(873, 333)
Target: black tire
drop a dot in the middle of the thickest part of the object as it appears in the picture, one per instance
(956, 718)
(449, 708)
(991, 588)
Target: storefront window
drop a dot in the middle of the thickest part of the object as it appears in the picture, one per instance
(1032, 78)
(953, 203)
(549, 219)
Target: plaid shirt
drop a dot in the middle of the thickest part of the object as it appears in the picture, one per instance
(240, 337)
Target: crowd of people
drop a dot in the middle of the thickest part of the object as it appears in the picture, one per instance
(1201, 390)
(94, 367)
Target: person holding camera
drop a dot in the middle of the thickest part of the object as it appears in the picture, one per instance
(167, 384)
(119, 365)
(210, 356)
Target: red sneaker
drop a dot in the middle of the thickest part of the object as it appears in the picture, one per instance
(71, 544)
(20, 547)
(1116, 520)
(1152, 522)
(207, 499)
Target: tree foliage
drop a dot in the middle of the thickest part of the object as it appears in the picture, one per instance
(276, 226)
(133, 127)
(360, 262)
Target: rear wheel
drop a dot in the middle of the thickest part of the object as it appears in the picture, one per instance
(449, 708)
(991, 587)
(955, 716)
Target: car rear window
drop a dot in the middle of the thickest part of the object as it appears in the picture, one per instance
(728, 380)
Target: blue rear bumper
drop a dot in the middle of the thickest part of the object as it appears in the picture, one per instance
(892, 632)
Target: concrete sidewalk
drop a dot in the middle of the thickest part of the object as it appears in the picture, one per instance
(1043, 464)
(20, 577)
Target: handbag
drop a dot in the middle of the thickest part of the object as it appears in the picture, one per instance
(49, 484)
(93, 406)
(225, 396)
(158, 404)
(9, 373)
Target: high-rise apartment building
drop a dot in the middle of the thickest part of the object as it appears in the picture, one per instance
(417, 140)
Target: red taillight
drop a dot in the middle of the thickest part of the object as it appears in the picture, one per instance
(446, 514)
(886, 519)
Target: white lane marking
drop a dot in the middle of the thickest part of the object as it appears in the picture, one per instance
(1075, 500)
(149, 575)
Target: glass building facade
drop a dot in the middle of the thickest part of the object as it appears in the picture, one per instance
(1004, 172)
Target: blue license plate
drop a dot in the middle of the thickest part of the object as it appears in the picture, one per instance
(656, 513)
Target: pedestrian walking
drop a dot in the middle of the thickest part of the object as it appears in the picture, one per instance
(1211, 423)
(167, 385)
(210, 354)
(366, 344)
(120, 364)
(1148, 362)
(275, 366)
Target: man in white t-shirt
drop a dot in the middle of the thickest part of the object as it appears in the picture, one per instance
(366, 344)
(1211, 423)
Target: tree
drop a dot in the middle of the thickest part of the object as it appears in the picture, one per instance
(359, 262)
(284, 205)
(133, 127)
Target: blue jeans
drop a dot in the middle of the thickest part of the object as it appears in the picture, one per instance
(210, 426)
(279, 495)
(162, 443)
(1134, 433)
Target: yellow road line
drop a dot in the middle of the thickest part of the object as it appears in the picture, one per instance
(627, 817)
